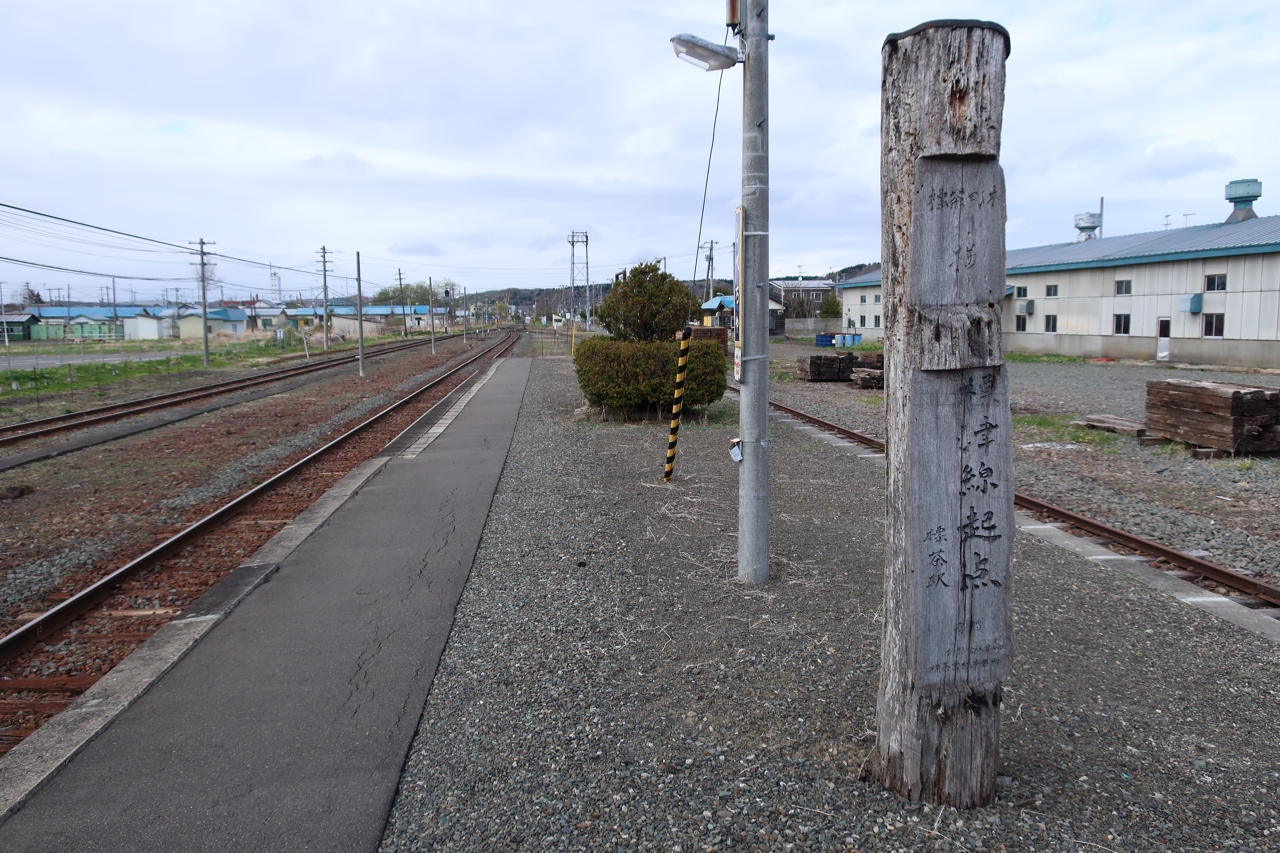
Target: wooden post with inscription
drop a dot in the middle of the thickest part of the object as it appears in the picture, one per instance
(948, 640)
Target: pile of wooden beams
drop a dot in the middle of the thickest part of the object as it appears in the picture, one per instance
(1222, 415)
(865, 369)
(823, 368)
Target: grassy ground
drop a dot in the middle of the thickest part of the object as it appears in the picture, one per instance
(1031, 358)
(54, 375)
(1057, 428)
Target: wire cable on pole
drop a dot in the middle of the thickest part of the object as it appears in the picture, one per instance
(707, 182)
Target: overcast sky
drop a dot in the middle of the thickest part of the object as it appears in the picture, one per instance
(468, 139)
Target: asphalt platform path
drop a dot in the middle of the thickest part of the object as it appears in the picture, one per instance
(287, 726)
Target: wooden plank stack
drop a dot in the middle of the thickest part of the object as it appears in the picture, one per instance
(823, 368)
(865, 369)
(869, 360)
(1222, 415)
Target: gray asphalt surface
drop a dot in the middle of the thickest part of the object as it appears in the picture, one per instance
(287, 726)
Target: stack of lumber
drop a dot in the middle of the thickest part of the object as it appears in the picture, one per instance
(824, 368)
(715, 333)
(867, 378)
(1222, 415)
(864, 369)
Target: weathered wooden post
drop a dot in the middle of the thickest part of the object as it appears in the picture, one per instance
(948, 639)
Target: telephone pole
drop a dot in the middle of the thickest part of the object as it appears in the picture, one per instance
(204, 296)
(324, 277)
(711, 267)
(431, 313)
(404, 311)
(359, 317)
(753, 476)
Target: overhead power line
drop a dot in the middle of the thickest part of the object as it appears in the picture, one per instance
(87, 272)
(183, 249)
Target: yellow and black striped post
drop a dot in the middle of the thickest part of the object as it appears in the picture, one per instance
(677, 403)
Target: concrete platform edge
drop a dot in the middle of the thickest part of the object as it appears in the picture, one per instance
(32, 763)
(1184, 591)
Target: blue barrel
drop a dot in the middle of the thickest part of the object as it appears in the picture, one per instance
(825, 340)
(857, 339)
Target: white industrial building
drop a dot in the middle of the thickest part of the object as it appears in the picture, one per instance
(1205, 294)
(860, 305)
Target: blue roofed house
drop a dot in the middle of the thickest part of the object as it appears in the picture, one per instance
(226, 321)
(718, 311)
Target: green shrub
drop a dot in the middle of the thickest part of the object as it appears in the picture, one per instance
(830, 308)
(650, 305)
(642, 374)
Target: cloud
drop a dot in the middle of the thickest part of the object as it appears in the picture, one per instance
(1167, 161)
(472, 138)
(419, 248)
(340, 162)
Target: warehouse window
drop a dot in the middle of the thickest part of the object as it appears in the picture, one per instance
(1051, 290)
(1213, 325)
(1051, 322)
(877, 321)
(862, 321)
(1122, 324)
(1020, 323)
(1215, 282)
(877, 299)
(1124, 287)
(1020, 292)
(864, 299)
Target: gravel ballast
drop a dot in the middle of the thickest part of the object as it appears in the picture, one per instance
(609, 686)
(1227, 508)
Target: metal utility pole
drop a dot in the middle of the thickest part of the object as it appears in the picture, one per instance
(948, 629)
(404, 311)
(359, 318)
(431, 313)
(579, 271)
(115, 319)
(466, 319)
(8, 355)
(324, 277)
(204, 298)
(753, 473)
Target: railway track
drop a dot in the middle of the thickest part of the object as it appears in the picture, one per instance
(16, 433)
(55, 655)
(1259, 593)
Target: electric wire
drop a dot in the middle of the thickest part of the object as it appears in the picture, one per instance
(715, 119)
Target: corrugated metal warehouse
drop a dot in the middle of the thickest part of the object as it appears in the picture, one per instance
(1205, 294)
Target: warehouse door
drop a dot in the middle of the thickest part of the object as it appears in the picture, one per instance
(1162, 339)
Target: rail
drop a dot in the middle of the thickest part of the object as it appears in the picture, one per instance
(1243, 583)
(58, 617)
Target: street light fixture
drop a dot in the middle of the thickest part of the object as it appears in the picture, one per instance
(749, 20)
(707, 55)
